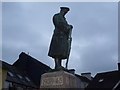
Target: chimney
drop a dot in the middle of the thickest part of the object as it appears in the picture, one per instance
(87, 75)
(71, 71)
(118, 66)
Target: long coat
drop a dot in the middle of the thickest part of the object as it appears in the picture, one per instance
(60, 45)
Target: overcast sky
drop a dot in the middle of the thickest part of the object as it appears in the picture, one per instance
(27, 27)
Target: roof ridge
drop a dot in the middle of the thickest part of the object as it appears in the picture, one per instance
(35, 60)
(107, 72)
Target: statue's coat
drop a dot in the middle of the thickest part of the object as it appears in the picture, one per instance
(60, 47)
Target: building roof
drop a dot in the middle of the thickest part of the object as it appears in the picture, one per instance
(105, 80)
(84, 79)
(117, 86)
(32, 67)
(17, 76)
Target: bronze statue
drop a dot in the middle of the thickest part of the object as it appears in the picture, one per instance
(61, 40)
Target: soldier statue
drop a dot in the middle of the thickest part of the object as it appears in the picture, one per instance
(61, 40)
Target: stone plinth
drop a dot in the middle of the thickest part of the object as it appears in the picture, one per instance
(59, 79)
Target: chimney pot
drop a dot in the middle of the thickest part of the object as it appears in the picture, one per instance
(87, 75)
(118, 66)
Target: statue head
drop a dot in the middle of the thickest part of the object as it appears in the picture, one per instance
(64, 10)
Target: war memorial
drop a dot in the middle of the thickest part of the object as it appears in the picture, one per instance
(60, 46)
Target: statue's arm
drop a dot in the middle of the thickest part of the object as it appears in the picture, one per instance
(61, 23)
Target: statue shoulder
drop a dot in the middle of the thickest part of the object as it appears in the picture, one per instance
(56, 15)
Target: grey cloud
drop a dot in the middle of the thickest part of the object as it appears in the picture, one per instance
(28, 27)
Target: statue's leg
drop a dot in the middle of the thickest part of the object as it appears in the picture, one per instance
(57, 63)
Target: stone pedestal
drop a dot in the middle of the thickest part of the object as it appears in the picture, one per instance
(59, 79)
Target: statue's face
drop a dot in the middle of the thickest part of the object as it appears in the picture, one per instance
(65, 11)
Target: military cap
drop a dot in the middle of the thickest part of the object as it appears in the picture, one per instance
(64, 8)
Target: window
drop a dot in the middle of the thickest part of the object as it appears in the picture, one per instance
(11, 74)
(101, 80)
(19, 76)
(27, 78)
(7, 84)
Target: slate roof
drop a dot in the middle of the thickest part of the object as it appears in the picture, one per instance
(105, 80)
(15, 78)
(117, 86)
(32, 67)
(84, 79)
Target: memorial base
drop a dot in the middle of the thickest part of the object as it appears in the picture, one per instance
(59, 79)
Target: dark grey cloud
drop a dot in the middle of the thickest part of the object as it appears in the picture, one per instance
(28, 27)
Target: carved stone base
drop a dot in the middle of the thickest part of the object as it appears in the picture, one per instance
(59, 79)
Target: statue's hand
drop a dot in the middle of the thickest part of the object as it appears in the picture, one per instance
(71, 26)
